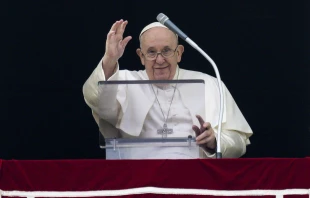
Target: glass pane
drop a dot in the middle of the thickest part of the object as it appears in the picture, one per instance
(153, 119)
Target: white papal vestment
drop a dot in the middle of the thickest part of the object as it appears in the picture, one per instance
(121, 121)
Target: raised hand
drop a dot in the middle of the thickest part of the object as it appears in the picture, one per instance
(115, 46)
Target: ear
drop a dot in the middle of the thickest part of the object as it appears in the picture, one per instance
(179, 52)
(138, 51)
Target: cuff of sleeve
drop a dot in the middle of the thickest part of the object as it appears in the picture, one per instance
(211, 153)
(115, 75)
(207, 154)
(115, 72)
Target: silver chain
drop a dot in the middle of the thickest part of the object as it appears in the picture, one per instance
(165, 119)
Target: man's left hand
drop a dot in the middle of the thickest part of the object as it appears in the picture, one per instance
(205, 136)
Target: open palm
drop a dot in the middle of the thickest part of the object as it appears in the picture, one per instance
(115, 44)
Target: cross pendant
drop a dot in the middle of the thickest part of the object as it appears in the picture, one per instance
(164, 131)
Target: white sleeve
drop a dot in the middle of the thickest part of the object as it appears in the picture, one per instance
(90, 87)
(235, 131)
(233, 144)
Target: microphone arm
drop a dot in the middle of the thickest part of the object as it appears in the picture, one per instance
(165, 21)
(218, 141)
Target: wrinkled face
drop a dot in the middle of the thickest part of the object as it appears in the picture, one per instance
(156, 40)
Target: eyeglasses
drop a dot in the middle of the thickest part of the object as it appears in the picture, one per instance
(166, 53)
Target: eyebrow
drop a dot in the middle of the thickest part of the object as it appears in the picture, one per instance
(165, 47)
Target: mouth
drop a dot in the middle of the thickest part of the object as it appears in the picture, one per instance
(161, 67)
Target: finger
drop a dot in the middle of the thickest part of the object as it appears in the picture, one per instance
(205, 134)
(116, 25)
(197, 130)
(203, 125)
(110, 34)
(119, 27)
(125, 41)
(122, 27)
(204, 140)
(125, 24)
(201, 121)
(206, 125)
(202, 136)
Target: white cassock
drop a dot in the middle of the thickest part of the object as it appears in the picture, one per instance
(121, 121)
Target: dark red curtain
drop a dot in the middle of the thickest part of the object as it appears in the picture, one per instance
(90, 175)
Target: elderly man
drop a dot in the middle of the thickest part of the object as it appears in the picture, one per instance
(160, 54)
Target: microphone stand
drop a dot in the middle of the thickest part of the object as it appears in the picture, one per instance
(218, 141)
(163, 19)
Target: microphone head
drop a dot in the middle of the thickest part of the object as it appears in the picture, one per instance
(162, 18)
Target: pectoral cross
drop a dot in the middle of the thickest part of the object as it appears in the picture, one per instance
(164, 131)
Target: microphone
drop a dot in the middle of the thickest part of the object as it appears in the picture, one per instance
(163, 19)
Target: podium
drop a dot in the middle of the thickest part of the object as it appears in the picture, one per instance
(152, 118)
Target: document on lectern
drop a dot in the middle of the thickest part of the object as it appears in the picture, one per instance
(153, 118)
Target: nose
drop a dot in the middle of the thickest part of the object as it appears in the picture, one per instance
(160, 59)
